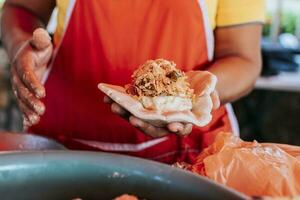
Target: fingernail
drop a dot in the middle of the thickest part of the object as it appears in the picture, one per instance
(39, 109)
(39, 93)
(114, 108)
(33, 119)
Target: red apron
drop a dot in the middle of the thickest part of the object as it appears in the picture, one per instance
(105, 41)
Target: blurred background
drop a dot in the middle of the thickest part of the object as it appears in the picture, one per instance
(271, 113)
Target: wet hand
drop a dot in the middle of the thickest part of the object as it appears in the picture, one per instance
(27, 69)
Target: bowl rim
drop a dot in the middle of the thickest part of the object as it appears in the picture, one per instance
(14, 158)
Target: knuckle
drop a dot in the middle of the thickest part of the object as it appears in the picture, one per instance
(23, 94)
(28, 95)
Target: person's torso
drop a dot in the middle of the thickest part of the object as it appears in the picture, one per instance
(105, 41)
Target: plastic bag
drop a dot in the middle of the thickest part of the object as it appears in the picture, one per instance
(251, 168)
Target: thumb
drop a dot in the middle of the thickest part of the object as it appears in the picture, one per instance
(40, 39)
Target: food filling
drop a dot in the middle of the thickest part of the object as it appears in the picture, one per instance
(159, 85)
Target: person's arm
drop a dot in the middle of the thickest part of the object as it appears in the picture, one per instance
(28, 53)
(20, 18)
(237, 62)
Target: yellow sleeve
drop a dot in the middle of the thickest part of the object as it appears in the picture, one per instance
(62, 6)
(234, 12)
(212, 11)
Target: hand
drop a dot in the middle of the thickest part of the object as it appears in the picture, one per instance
(206, 99)
(176, 127)
(28, 67)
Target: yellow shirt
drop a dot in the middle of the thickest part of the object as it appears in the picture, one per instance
(220, 12)
(233, 12)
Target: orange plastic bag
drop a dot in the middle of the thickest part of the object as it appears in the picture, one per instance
(251, 168)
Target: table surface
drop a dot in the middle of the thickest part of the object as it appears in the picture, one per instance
(285, 81)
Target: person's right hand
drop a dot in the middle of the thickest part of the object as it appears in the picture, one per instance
(28, 67)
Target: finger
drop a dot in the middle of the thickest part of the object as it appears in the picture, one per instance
(26, 96)
(26, 74)
(26, 123)
(175, 127)
(117, 109)
(107, 100)
(215, 99)
(32, 117)
(40, 39)
(147, 128)
(186, 130)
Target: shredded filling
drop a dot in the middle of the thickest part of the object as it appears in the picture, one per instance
(159, 78)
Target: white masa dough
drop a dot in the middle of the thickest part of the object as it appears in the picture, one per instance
(167, 103)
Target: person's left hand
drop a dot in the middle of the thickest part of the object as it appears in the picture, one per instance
(199, 81)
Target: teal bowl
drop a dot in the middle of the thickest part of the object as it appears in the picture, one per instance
(55, 175)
